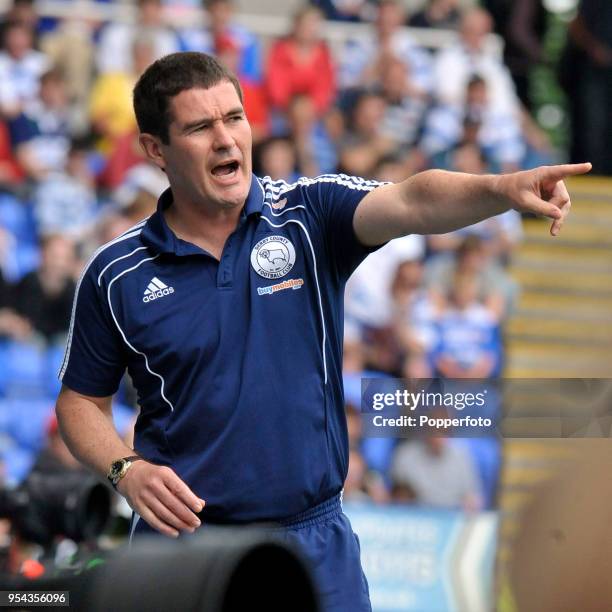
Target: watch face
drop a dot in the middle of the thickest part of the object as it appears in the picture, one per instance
(116, 467)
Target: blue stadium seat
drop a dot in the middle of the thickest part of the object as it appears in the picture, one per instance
(25, 368)
(15, 218)
(122, 417)
(28, 422)
(17, 464)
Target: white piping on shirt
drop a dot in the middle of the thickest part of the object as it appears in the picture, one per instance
(161, 378)
(128, 234)
(108, 265)
(282, 212)
(135, 520)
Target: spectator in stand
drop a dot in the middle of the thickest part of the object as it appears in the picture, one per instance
(55, 457)
(589, 83)
(44, 297)
(223, 30)
(276, 157)
(110, 107)
(141, 186)
(368, 299)
(355, 484)
(391, 169)
(364, 144)
(369, 304)
(11, 173)
(523, 33)
(21, 67)
(316, 153)
(40, 135)
(124, 155)
(441, 14)
(65, 201)
(363, 59)
(405, 104)
(70, 47)
(365, 481)
(414, 316)
(114, 53)
(230, 54)
(494, 289)
(478, 121)
(4, 289)
(469, 343)
(301, 63)
(436, 473)
(346, 10)
(363, 484)
(456, 65)
(24, 12)
(11, 324)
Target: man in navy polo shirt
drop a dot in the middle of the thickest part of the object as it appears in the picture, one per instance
(225, 306)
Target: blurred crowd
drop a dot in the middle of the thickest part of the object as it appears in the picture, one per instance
(72, 177)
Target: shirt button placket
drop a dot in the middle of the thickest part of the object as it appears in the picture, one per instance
(225, 277)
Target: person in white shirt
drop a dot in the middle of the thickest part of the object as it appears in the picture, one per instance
(114, 52)
(456, 65)
(20, 69)
(363, 58)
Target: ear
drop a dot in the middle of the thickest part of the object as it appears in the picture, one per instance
(151, 145)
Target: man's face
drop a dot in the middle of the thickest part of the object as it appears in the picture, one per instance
(475, 27)
(208, 157)
(18, 42)
(220, 14)
(389, 18)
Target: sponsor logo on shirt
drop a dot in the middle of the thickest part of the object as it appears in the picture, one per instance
(291, 283)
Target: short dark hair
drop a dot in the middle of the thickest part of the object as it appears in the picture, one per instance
(168, 77)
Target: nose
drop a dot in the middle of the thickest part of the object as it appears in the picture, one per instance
(223, 137)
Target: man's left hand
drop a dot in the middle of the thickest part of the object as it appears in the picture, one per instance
(542, 191)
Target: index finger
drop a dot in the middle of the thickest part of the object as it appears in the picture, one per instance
(558, 173)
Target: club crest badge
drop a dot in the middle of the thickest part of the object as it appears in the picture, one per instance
(273, 257)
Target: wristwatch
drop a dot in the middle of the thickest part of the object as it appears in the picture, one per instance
(119, 468)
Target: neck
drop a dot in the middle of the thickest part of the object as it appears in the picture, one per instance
(203, 226)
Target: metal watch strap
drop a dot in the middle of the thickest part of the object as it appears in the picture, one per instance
(131, 459)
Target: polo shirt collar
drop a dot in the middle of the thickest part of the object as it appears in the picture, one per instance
(157, 235)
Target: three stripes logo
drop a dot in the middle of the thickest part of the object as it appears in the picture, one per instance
(156, 289)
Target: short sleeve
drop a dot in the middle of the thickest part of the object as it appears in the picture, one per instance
(94, 362)
(336, 198)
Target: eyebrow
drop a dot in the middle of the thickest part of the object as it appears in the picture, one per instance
(238, 110)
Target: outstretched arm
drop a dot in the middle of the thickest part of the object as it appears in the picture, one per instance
(437, 201)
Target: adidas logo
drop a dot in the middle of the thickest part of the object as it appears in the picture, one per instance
(156, 289)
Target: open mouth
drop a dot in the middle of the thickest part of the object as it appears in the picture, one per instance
(226, 169)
